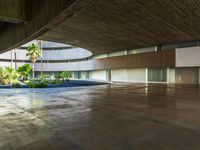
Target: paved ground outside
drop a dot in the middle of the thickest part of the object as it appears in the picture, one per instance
(106, 117)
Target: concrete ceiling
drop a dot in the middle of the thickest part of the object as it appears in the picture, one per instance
(111, 25)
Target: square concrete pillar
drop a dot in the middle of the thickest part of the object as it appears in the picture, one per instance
(146, 75)
(199, 75)
(108, 74)
(170, 75)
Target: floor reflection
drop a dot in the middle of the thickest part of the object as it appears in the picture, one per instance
(116, 116)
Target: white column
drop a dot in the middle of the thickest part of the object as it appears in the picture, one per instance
(168, 75)
(156, 48)
(199, 75)
(146, 75)
(171, 75)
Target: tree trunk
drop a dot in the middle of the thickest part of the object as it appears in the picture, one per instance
(41, 43)
(41, 67)
(11, 58)
(33, 70)
(41, 61)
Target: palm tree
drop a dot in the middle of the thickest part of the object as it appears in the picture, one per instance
(33, 52)
(41, 43)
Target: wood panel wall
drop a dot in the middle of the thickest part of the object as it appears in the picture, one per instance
(159, 59)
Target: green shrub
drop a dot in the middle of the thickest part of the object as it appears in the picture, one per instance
(27, 81)
(37, 83)
(25, 71)
(16, 85)
(65, 75)
(43, 77)
(8, 75)
(55, 81)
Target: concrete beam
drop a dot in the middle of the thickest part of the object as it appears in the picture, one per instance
(114, 25)
(43, 15)
(13, 11)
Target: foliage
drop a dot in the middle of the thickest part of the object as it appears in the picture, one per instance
(43, 77)
(33, 83)
(25, 71)
(16, 85)
(8, 75)
(42, 82)
(27, 81)
(33, 52)
(56, 81)
(65, 75)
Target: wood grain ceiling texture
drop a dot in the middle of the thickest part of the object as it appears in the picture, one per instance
(105, 26)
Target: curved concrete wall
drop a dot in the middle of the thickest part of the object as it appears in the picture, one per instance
(73, 66)
(51, 67)
(48, 55)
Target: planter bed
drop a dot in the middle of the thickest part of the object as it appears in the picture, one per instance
(71, 83)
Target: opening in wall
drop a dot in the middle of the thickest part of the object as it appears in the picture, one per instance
(157, 75)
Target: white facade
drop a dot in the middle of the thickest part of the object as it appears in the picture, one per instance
(188, 57)
(132, 75)
(98, 75)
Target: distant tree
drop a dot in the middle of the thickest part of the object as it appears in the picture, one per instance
(65, 75)
(41, 44)
(33, 52)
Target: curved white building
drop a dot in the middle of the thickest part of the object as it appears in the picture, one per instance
(55, 57)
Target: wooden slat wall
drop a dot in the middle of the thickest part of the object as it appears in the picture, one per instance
(112, 25)
(158, 59)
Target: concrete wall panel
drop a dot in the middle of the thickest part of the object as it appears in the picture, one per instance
(98, 75)
(188, 57)
(133, 75)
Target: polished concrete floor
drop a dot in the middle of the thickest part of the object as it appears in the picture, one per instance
(107, 117)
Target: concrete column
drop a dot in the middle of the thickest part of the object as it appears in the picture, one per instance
(168, 75)
(199, 75)
(171, 75)
(87, 75)
(108, 74)
(79, 74)
(146, 75)
(156, 48)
